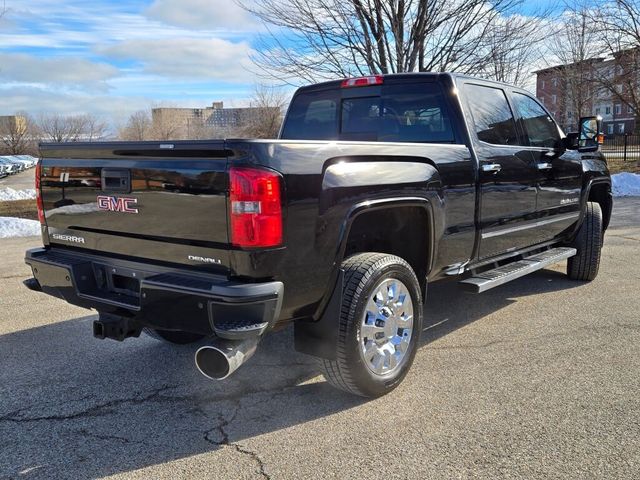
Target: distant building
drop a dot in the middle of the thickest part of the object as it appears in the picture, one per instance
(17, 124)
(216, 116)
(593, 79)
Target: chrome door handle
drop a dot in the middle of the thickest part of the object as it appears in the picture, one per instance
(491, 167)
(544, 166)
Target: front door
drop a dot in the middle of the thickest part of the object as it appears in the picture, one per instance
(507, 175)
(559, 171)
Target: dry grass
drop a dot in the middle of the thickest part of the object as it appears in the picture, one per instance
(617, 165)
(20, 209)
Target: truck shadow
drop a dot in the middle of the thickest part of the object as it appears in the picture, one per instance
(75, 407)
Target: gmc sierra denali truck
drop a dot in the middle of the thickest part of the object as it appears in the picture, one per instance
(376, 187)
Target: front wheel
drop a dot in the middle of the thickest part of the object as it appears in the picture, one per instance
(380, 325)
(588, 242)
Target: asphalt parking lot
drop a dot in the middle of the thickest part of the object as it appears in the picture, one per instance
(539, 378)
(19, 181)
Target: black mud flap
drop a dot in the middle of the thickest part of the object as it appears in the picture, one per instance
(320, 338)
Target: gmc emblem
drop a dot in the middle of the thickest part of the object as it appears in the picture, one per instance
(114, 204)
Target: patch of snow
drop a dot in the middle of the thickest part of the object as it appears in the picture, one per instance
(9, 194)
(626, 184)
(18, 227)
(75, 209)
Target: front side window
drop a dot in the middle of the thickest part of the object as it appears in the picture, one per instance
(491, 114)
(537, 124)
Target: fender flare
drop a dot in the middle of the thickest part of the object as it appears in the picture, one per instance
(383, 204)
(319, 338)
(586, 191)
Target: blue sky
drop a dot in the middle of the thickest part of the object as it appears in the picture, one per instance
(112, 57)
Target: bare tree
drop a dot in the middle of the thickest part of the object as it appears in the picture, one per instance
(318, 39)
(618, 25)
(94, 128)
(17, 134)
(54, 127)
(168, 123)
(264, 120)
(138, 127)
(574, 48)
(513, 46)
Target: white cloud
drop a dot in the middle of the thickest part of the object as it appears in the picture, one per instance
(67, 70)
(190, 58)
(37, 100)
(205, 14)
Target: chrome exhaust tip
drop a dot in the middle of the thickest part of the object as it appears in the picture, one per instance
(223, 357)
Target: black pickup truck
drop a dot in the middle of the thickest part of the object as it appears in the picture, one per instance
(376, 187)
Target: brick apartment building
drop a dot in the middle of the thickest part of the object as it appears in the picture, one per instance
(581, 89)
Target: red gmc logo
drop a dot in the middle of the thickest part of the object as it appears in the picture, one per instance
(114, 204)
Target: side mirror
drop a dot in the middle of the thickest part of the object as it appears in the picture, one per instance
(571, 141)
(589, 136)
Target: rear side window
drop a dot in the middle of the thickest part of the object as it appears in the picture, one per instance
(492, 116)
(538, 125)
(401, 113)
(312, 116)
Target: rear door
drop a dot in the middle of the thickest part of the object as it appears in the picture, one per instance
(507, 175)
(558, 170)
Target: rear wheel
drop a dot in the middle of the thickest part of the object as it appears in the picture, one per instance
(588, 242)
(177, 338)
(380, 325)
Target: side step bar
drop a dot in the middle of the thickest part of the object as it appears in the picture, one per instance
(484, 281)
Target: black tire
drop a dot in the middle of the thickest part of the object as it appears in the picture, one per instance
(584, 266)
(364, 272)
(177, 338)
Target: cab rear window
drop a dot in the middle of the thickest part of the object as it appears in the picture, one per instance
(401, 113)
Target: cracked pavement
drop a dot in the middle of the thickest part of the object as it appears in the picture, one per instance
(539, 378)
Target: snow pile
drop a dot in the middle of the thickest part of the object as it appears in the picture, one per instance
(18, 227)
(626, 184)
(9, 194)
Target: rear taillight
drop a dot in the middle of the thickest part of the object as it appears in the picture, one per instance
(39, 194)
(362, 81)
(255, 207)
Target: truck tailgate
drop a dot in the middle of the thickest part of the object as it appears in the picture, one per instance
(138, 199)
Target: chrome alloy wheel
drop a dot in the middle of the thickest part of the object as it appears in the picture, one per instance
(387, 326)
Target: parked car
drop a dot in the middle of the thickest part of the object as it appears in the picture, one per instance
(11, 165)
(27, 161)
(376, 187)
